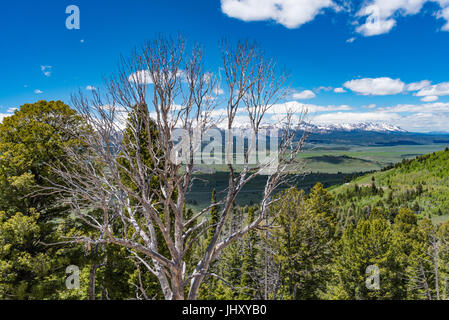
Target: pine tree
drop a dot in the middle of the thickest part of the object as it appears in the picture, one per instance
(248, 282)
(404, 232)
(303, 242)
(367, 244)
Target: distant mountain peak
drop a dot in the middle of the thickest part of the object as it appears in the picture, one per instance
(361, 126)
(382, 127)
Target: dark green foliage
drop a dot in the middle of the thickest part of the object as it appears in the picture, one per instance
(30, 140)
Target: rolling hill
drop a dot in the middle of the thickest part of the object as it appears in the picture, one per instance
(421, 184)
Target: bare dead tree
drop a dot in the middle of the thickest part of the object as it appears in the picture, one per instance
(162, 89)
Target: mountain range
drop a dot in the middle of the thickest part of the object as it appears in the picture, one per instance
(362, 126)
(326, 128)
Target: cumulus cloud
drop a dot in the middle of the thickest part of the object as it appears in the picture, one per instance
(413, 108)
(339, 90)
(218, 91)
(37, 91)
(304, 95)
(141, 77)
(441, 89)
(429, 99)
(375, 17)
(376, 87)
(145, 77)
(444, 14)
(425, 122)
(416, 86)
(381, 15)
(374, 24)
(297, 107)
(91, 88)
(355, 117)
(323, 88)
(289, 13)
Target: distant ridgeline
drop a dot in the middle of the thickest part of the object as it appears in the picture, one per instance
(376, 138)
(421, 184)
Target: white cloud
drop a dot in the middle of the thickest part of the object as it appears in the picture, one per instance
(441, 89)
(376, 87)
(218, 91)
(416, 86)
(444, 14)
(304, 95)
(323, 88)
(4, 115)
(141, 77)
(145, 77)
(91, 88)
(350, 40)
(289, 13)
(429, 99)
(46, 70)
(11, 110)
(374, 28)
(37, 91)
(339, 90)
(355, 117)
(425, 122)
(297, 107)
(425, 107)
(381, 14)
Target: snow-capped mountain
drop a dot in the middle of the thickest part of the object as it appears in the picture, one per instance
(362, 126)
(326, 128)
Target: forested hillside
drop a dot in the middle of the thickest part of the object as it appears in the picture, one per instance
(421, 184)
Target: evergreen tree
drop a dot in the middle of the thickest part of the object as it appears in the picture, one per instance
(303, 242)
(367, 244)
(248, 282)
(31, 139)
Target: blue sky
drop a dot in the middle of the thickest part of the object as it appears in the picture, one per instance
(350, 60)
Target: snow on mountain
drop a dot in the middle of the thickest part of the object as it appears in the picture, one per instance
(362, 126)
(325, 128)
(243, 123)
